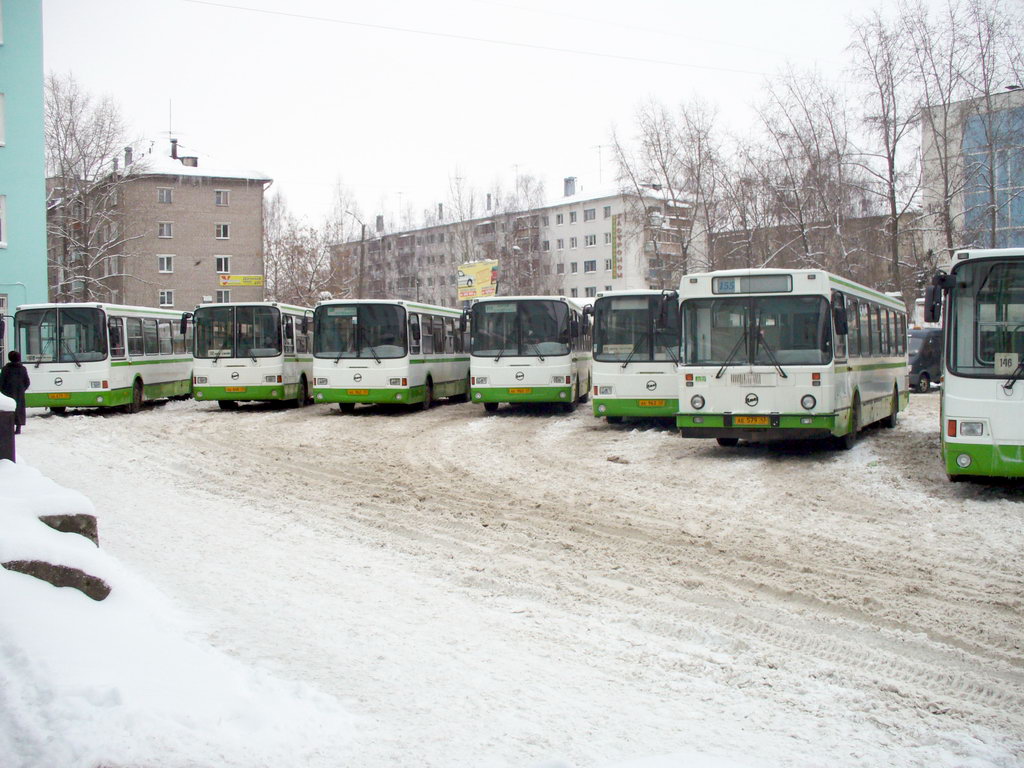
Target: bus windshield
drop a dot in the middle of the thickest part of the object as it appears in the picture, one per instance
(636, 328)
(65, 335)
(242, 331)
(987, 318)
(534, 328)
(374, 331)
(757, 330)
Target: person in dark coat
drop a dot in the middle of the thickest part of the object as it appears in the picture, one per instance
(14, 382)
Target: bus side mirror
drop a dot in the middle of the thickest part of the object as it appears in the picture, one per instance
(666, 300)
(574, 327)
(840, 320)
(933, 302)
(184, 321)
(305, 325)
(463, 321)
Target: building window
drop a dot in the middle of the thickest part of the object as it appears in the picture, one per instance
(221, 196)
(572, 217)
(544, 220)
(165, 263)
(607, 287)
(607, 265)
(589, 214)
(590, 265)
(546, 245)
(164, 195)
(166, 298)
(164, 229)
(560, 243)
(559, 218)
(3, 221)
(573, 242)
(560, 269)
(574, 292)
(223, 296)
(223, 265)
(590, 241)
(607, 238)
(221, 231)
(574, 267)
(591, 290)
(607, 211)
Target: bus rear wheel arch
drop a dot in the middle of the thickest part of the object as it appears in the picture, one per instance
(428, 394)
(138, 395)
(847, 441)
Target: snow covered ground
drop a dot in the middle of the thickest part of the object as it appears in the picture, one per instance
(303, 588)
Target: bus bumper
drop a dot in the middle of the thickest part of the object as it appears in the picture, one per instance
(521, 394)
(100, 398)
(983, 460)
(261, 392)
(403, 396)
(636, 408)
(779, 427)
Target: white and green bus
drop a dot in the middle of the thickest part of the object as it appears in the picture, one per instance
(399, 352)
(981, 305)
(772, 354)
(94, 355)
(529, 349)
(259, 351)
(636, 354)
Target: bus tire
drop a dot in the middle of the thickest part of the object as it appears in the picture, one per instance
(585, 395)
(347, 407)
(613, 419)
(227, 405)
(847, 441)
(924, 384)
(138, 395)
(894, 415)
(728, 442)
(491, 407)
(59, 410)
(428, 395)
(303, 396)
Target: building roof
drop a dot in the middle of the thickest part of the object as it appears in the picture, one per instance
(154, 164)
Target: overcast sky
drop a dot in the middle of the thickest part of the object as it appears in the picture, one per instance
(395, 97)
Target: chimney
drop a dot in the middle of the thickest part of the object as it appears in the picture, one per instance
(570, 186)
(488, 201)
(127, 156)
(191, 162)
(380, 222)
(174, 148)
(440, 211)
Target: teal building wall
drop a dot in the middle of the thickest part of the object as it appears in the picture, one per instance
(22, 167)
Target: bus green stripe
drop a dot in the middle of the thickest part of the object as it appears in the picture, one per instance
(440, 360)
(871, 367)
(893, 303)
(151, 362)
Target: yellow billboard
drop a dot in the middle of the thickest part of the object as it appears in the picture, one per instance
(477, 280)
(248, 281)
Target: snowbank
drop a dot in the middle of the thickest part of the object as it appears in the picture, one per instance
(128, 681)
(7, 404)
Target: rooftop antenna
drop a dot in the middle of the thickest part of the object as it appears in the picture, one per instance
(600, 163)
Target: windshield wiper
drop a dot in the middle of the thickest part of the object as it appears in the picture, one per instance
(70, 352)
(504, 346)
(1015, 376)
(252, 356)
(536, 349)
(218, 356)
(643, 337)
(741, 341)
(762, 341)
(359, 335)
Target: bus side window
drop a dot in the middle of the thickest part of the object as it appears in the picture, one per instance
(865, 329)
(438, 324)
(289, 335)
(149, 336)
(301, 339)
(838, 301)
(902, 337)
(135, 346)
(426, 337)
(164, 331)
(853, 322)
(449, 334)
(115, 327)
(414, 334)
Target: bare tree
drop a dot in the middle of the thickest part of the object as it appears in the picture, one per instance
(523, 268)
(298, 263)
(85, 227)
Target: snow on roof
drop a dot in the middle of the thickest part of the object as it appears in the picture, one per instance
(156, 164)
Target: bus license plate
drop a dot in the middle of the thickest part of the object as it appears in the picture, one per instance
(60, 395)
(234, 389)
(750, 421)
(520, 390)
(357, 391)
(651, 403)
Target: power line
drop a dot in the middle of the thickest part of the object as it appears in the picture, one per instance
(473, 39)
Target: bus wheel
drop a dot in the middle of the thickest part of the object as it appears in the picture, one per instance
(137, 396)
(347, 407)
(228, 405)
(462, 397)
(586, 393)
(613, 419)
(59, 410)
(303, 399)
(728, 442)
(847, 441)
(491, 407)
(428, 395)
(890, 421)
(924, 384)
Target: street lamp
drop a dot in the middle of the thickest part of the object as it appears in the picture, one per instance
(362, 254)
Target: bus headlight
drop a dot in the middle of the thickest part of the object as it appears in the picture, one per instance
(395, 382)
(321, 382)
(479, 381)
(808, 402)
(697, 401)
(606, 390)
(200, 380)
(96, 384)
(270, 379)
(561, 379)
(963, 461)
(972, 429)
